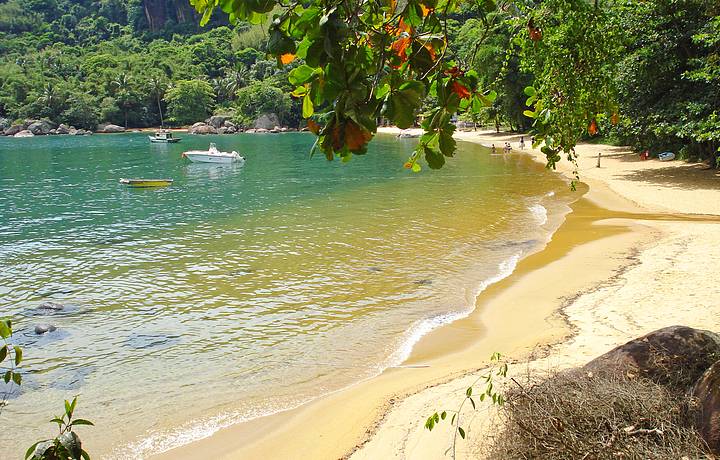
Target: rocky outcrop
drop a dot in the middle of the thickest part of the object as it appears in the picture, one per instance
(267, 121)
(675, 356)
(202, 128)
(40, 127)
(64, 129)
(110, 128)
(24, 133)
(217, 121)
(41, 329)
(706, 394)
(14, 129)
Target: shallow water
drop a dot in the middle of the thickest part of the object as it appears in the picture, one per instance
(238, 291)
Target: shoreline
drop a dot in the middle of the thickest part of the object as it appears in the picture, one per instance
(603, 226)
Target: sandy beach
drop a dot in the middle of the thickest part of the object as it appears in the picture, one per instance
(635, 254)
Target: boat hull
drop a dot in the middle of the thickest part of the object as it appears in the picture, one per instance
(163, 141)
(142, 183)
(207, 158)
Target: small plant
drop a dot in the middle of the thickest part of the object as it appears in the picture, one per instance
(67, 445)
(498, 368)
(10, 357)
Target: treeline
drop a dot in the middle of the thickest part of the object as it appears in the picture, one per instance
(82, 63)
(128, 63)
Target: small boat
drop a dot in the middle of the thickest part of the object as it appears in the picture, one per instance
(146, 182)
(213, 155)
(666, 156)
(164, 136)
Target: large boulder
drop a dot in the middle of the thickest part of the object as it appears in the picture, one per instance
(14, 129)
(63, 129)
(222, 130)
(40, 127)
(202, 128)
(266, 121)
(706, 394)
(110, 128)
(217, 121)
(675, 356)
(24, 133)
(229, 124)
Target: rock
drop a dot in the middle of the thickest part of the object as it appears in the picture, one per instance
(261, 130)
(251, 131)
(63, 129)
(24, 133)
(217, 121)
(267, 121)
(110, 128)
(229, 124)
(675, 356)
(14, 129)
(199, 123)
(40, 127)
(231, 130)
(222, 130)
(51, 306)
(41, 329)
(202, 128)
(706, 394)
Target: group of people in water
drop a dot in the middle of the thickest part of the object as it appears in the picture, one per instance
(507, 148)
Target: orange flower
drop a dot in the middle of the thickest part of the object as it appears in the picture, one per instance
(460, 90)
(593, 129)
(287, 58)
(408, 165)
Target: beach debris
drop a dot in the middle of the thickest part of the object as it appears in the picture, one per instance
(423, 282)
(41, 329)
(374, 269)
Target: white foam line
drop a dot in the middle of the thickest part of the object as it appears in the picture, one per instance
(195, 430)
(540, 213)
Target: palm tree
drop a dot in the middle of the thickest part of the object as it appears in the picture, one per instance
(123, 94)
(157, 86)
(234, 80)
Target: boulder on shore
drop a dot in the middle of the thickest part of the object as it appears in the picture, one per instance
(43, 328)
(24, 133)
(63, 129)
(14, 129)
(202, 128)
(40, 127)
(110, 128)
(267, 121)
(706, 393)
(217, 121)
(675, 356)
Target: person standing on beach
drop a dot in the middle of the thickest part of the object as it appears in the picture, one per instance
(522, 143)
(494, 151)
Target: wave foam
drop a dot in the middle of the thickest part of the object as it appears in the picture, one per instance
(540, 213)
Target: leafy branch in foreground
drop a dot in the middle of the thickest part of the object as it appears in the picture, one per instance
(10, 357)
(498, 368)
(392, 58)
(67, 445)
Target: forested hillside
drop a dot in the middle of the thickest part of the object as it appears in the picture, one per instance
(85, 62)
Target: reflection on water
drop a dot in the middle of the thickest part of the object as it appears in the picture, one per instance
(239, 290)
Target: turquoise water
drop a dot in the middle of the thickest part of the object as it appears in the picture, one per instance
(238, 291)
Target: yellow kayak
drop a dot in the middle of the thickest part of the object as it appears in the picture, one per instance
(147, 182)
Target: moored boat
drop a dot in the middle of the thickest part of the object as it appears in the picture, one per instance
(164, 136)
(213, 155)
(666, 156)
(146, 182)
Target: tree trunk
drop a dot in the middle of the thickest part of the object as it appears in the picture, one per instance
(160, 110)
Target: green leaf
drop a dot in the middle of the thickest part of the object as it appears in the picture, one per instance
(84, 455)
(462, 432)
(308, 109)
(434, 158)
(5, 329)
(447, 143)
(81, 421)
(529, 91)
(300, 74)
(529, 114)
(443, 414)
(472, 402)
(404, 103)
(468, 392)
(491, 96)
(452, 421)
(382, 91)
(18, 355)
(31, 450)
(17, 378)
(7, 376)
(3, 353)
(416, 167)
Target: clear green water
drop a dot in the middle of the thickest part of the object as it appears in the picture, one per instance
(238, 291)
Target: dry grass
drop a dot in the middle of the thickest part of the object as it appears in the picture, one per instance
(572, 416)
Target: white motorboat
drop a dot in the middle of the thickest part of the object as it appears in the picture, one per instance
(213, 155)
(164, 136)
